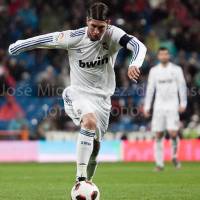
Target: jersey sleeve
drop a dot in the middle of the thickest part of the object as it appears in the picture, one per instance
(138, 52)
(116, 35)
(182, 88)
(122, 39)
(151, 86)
(56, 40)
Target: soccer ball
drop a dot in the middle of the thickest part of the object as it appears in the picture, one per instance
(85, 190)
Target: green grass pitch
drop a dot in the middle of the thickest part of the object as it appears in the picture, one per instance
(116, 181)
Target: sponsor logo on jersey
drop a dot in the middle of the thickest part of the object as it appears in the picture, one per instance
(165, 81)
(91, 64)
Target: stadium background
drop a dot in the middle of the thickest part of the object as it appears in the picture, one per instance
(31, 84)
(34, 127)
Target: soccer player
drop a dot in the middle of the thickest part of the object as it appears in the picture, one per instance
(92, 52)
(167, 81)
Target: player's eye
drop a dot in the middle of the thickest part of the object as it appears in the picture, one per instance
(93, 26)
(101, 28)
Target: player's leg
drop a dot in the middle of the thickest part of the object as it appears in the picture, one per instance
(158, 127)
(92, 165)
(175, 145)
(172, 127)
(102, 108)
(85, 144)
(158, 151)
(81, 112)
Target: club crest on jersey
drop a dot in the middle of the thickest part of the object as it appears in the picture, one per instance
(105, 46)
(91, 64)
(79, 51)
(60, 37)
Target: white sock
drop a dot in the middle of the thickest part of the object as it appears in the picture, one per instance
(84, 151)
(158, 152)
(175, 142)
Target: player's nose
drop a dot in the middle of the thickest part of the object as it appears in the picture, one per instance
(96, 31)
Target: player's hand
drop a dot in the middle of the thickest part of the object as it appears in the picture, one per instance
(133, 73)
(181, 109)
(146, 113)
(10, 51)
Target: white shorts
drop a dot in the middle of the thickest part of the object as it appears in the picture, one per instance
(165, 120)
(78, 103)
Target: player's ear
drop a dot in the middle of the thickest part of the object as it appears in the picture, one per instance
(108, 21)
(87, 21)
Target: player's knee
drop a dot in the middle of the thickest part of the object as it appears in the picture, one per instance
(173, 134)
(89, 122)
(159, 135)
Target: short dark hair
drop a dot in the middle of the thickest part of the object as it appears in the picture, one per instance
(98, 11)
(163, 49)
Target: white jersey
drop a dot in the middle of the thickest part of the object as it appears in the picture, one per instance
(91, 62)
(169, 86)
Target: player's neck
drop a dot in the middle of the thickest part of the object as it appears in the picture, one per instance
(90, 37)
(164, 64)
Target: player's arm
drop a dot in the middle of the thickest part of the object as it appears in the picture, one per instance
(151, 86)
(138, 54)
(133, 44)
(50, 40)
(138, 49)
(182, 89)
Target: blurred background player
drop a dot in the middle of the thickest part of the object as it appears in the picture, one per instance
(167, 81)
(92, 53)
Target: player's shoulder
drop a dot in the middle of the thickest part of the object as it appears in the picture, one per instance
(109, 30)
(176, 67)
(72, 37)
(77, 33)
(72, 34)
(113, 29)
(154, 68)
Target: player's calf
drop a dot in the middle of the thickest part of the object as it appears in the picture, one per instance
(92, 165)
(85, 145)
(158, 150)
(175, 144)
(84, 151)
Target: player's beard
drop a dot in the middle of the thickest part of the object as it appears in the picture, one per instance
(165, 62)
(93, 38)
